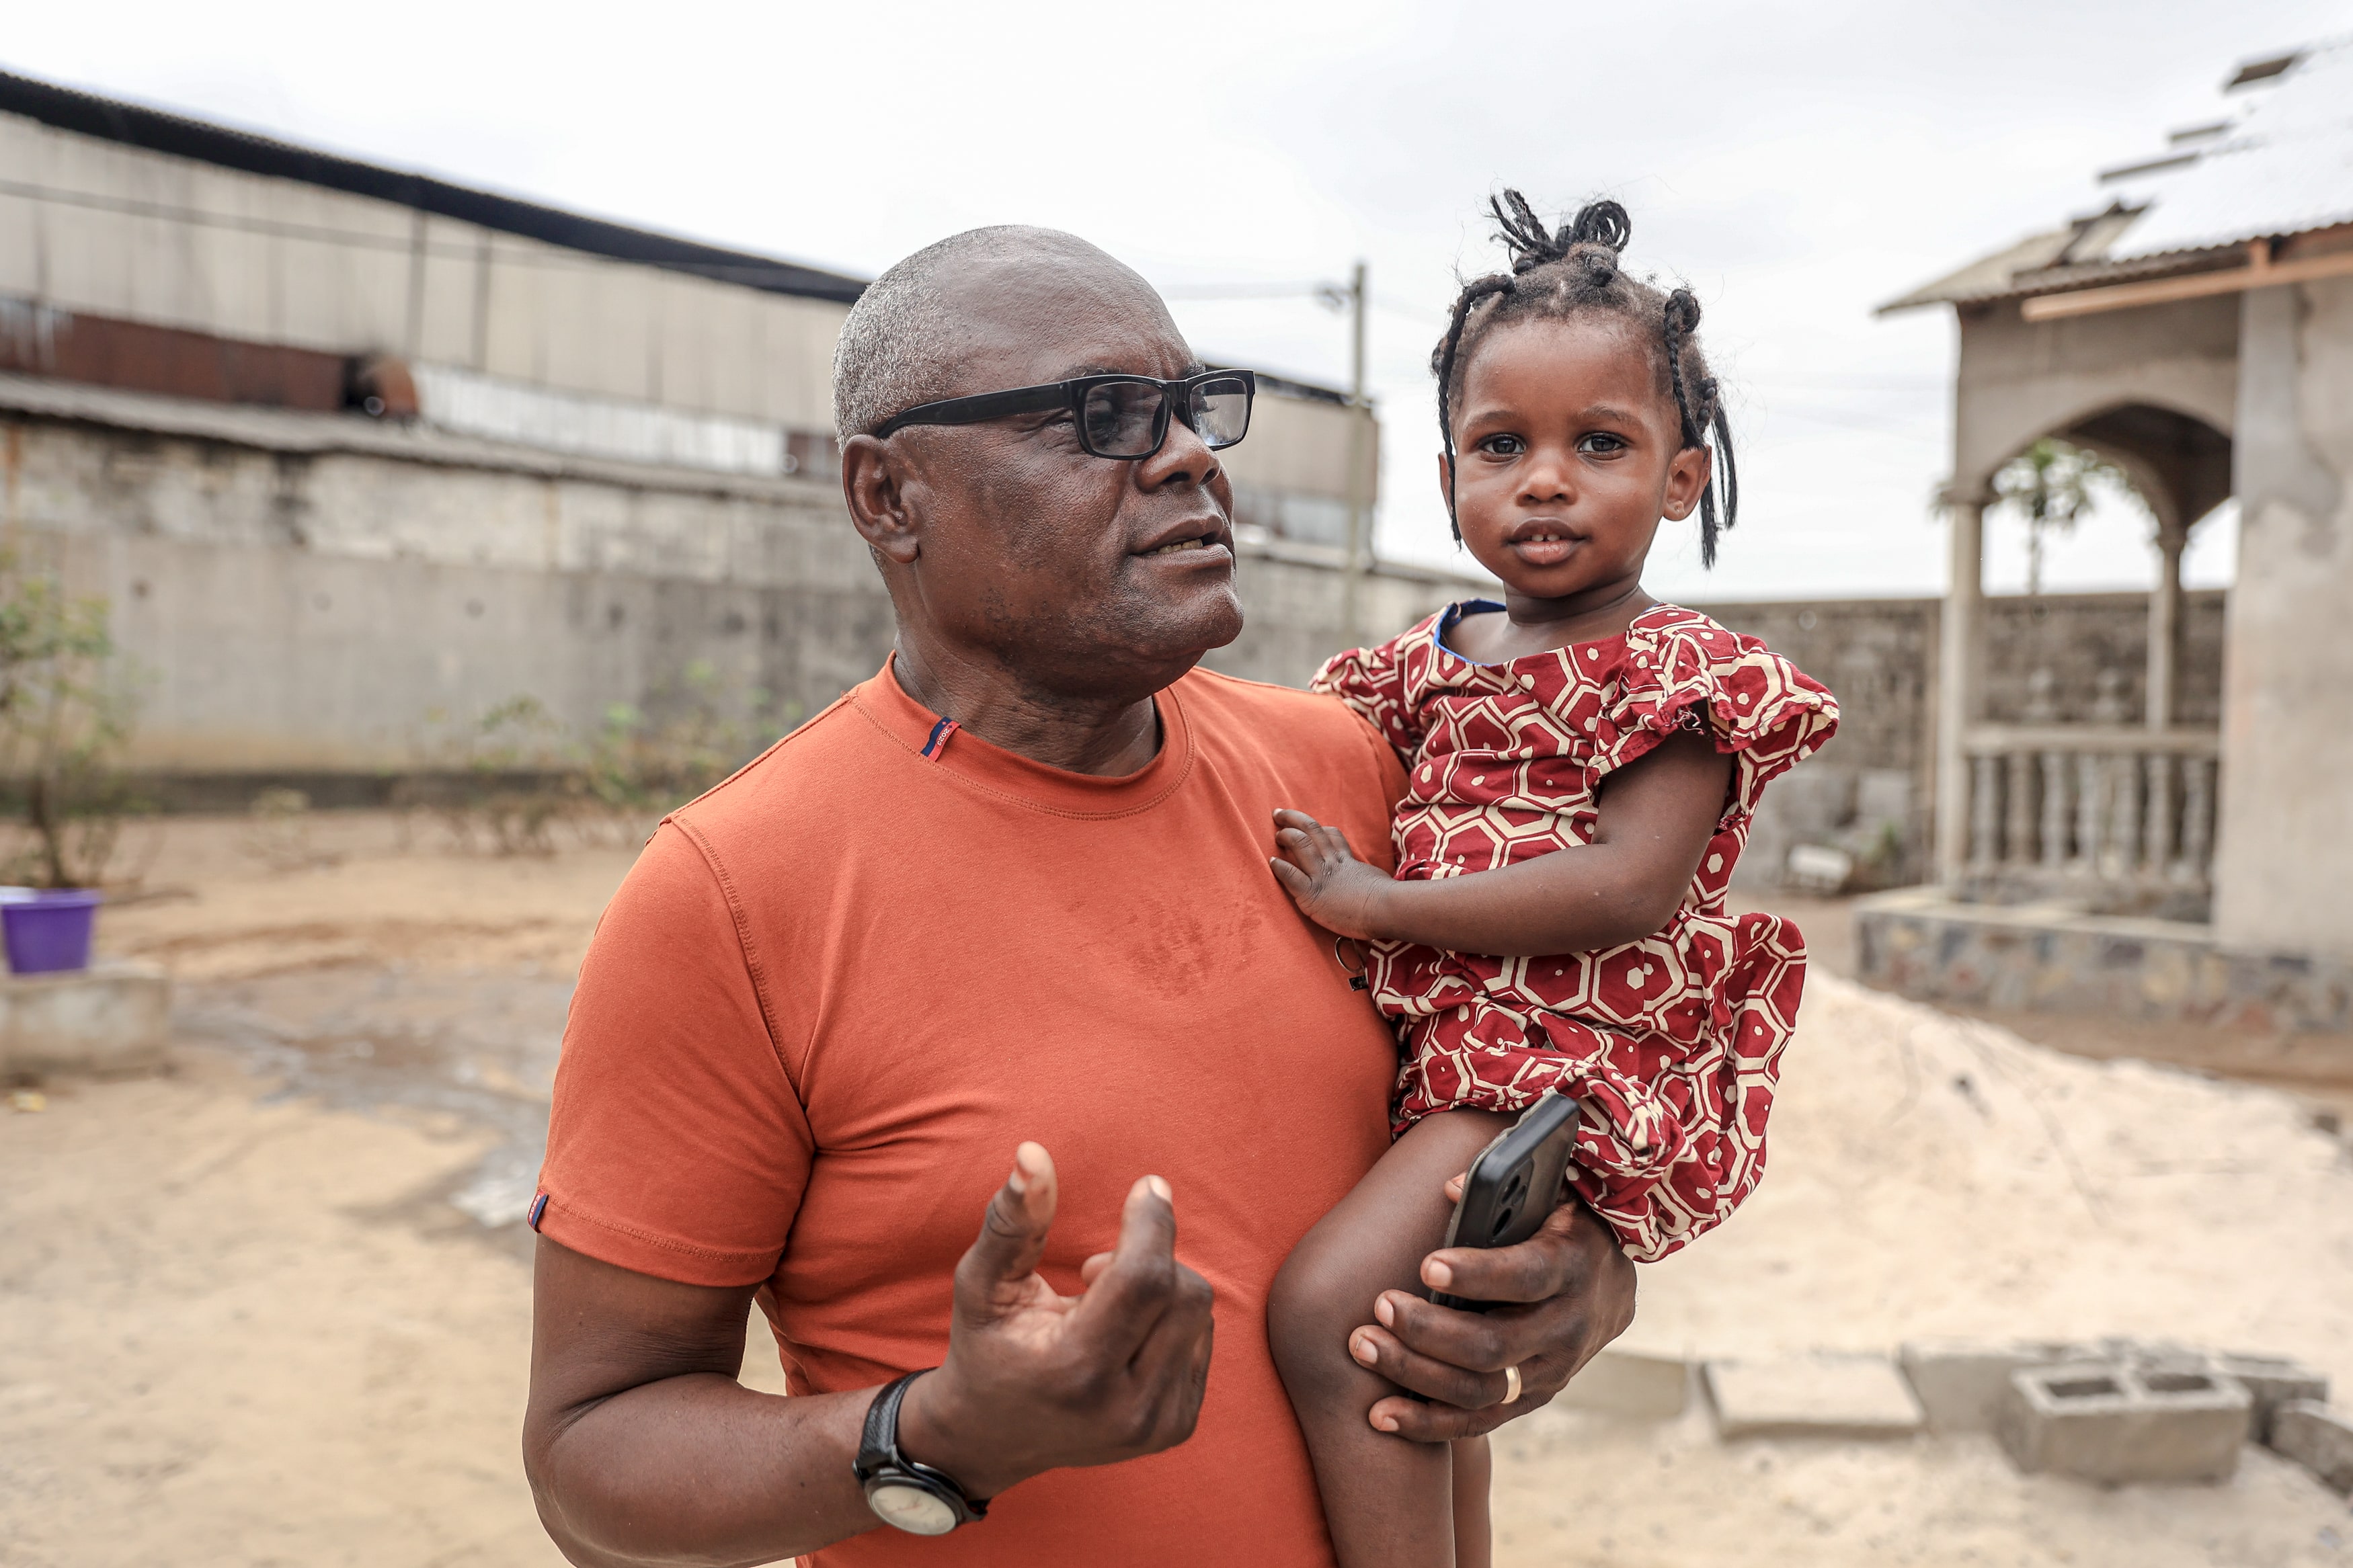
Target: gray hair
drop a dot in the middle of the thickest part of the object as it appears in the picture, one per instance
(905, 338)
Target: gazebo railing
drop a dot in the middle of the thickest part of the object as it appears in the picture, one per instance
(2120, 816)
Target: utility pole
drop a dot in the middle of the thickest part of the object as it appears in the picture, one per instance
(1360, 418)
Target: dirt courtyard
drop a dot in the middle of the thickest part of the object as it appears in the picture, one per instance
(270, 1306)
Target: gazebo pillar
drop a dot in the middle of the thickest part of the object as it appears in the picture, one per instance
(1960, 682)
(2165, 626)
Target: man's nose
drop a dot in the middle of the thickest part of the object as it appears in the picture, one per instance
(1184, 459)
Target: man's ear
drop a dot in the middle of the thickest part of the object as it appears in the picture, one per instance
(873, 484)
(1687, 478)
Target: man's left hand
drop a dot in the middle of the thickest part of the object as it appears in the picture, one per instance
(1574, 1293)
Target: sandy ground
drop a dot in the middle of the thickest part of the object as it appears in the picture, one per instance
(1574, 1491)
(1935, 1176)
(272, 1307)
(243, 1332)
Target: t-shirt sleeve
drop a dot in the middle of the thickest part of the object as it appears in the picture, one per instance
(1372, 683)
(1747, 699)
(676, 1145)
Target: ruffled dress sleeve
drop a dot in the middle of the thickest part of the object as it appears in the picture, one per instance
(1684, 671)
(1373, 681)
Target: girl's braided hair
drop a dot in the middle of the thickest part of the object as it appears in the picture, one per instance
(1575, 272)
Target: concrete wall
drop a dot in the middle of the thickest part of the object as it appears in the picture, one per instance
(2282, 860)
(303, 591)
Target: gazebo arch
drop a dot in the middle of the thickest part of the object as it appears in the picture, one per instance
(2175, 446)
(2178, 462)
(2179, 431)
(2179, 465)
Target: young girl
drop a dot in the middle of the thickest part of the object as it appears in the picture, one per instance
(1579, 715)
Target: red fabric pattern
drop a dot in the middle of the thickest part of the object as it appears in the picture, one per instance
(1674, 1042)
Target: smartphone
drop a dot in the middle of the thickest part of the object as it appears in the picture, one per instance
(1515, 1183)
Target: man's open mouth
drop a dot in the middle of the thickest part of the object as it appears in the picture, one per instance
(1175, 545)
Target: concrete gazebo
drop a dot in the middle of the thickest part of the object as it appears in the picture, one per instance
(2197, 330)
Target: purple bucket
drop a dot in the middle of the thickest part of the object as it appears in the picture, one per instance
(48, 929)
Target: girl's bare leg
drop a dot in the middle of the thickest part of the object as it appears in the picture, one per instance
(1474, 1470)
(1389, 1503)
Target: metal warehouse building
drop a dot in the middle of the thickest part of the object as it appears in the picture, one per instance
(345, 445)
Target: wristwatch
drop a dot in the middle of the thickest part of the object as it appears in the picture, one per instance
(903, 1494)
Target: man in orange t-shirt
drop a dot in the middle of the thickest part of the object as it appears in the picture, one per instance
(1012, 891)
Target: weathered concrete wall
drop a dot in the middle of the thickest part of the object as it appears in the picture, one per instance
(2282, 861)
(304, 592)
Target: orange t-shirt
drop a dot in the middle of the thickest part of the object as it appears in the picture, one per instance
(835, 992)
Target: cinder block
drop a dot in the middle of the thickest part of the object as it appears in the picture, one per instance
(2273, 1382)
(1811, 1396)
(1630, 1383)
(2318, 1438)
(1962, 1384)
(2114, 1423)
(109, 1017)
(2163, 1355)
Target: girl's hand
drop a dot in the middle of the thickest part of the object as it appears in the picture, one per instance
(1329, 884)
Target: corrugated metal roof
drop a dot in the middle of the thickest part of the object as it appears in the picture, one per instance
(2280, 164)
(2284, 167)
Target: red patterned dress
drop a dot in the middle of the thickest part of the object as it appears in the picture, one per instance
(1674, 1043)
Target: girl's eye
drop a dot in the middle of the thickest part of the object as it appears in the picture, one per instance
(1504, 446)
(1601, 443)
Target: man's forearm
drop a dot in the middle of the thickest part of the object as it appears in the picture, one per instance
(642, 1449)
(698, 1469)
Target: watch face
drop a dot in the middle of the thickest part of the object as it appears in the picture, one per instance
(909, 1508)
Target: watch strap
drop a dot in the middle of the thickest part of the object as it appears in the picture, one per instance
(877, 1444)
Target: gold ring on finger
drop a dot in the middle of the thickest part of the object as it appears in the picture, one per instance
(1511, 1385)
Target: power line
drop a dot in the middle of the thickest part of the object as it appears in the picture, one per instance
(1333, 294)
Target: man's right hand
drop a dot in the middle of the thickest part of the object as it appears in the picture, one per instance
(1036, 1380)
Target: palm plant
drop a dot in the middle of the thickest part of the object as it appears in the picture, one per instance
(2050, 485)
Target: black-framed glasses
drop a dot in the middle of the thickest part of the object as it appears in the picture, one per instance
(1121, 417)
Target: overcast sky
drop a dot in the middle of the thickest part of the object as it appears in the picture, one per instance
(1797, 165)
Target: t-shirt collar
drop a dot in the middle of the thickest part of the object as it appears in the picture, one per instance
(959, 754)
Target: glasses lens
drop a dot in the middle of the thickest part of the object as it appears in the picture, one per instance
(1221, 411)
(1124, 418)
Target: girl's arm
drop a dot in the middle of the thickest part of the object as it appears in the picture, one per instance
(1657, 814)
